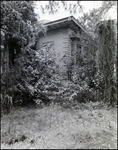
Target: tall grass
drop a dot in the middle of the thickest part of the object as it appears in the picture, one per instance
(55, 127)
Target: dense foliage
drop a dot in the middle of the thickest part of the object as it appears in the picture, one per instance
(17, 19)
(17, 31)
(107, 60)
(32, 78)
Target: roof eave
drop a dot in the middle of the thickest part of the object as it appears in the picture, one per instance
(65, 20)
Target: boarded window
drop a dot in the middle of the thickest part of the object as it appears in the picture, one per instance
(49, 51)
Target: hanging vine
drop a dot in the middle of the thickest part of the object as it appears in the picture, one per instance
(107, 60)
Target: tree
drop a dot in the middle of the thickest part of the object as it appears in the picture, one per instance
(18, 30)
(52, 6)
(17, 20)
(107, 60)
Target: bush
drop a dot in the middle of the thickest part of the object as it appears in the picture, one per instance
(31, 77)
(37, 81)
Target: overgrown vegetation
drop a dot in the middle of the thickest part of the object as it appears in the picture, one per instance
(107, 61)
(85, 126)
(18, 30)
(30, 78)
(67, 114)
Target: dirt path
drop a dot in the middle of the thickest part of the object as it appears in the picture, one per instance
(54, 127)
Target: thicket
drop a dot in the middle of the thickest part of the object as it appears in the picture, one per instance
(17, 29)
(34, 79)
(107, 61)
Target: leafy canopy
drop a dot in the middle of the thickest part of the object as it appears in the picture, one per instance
(18, 19)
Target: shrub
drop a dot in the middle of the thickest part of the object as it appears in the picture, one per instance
(31, 77)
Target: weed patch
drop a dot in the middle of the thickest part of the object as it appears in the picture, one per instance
(58, 127)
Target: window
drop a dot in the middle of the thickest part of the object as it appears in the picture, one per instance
(72, 51)
(48, 51)
(78, 52)
(78, 49)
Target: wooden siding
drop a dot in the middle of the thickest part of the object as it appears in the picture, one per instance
(65, 52)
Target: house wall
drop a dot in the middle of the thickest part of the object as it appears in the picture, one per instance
(74, 47)
(65, 52)
(60, 38)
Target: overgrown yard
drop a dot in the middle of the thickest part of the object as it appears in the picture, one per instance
(85, 127)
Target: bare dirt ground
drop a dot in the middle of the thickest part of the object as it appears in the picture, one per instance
(53, 127)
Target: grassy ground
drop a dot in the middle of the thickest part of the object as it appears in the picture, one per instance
(84, 127)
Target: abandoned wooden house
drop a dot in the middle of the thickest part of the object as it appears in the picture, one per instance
(62, 42)
(63, 39)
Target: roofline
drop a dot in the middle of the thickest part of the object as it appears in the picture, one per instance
(59, 20)
(65, 19)
(73, 18)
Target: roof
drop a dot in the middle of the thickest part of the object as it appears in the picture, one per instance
(64, 22)
(44, 21)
